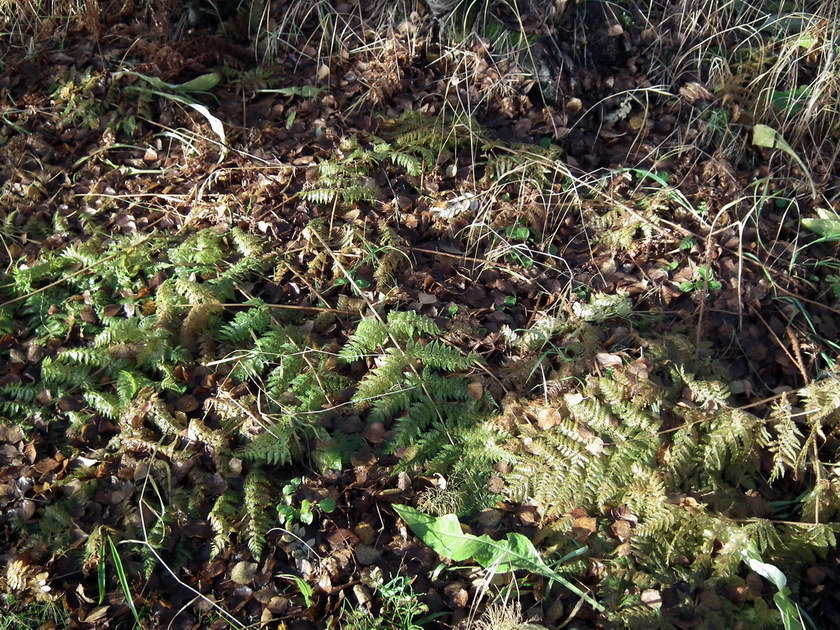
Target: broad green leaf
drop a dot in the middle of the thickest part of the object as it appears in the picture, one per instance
(327, 505)
(769, 138)
(442, 533)
(791, 617)
(516, 552)
(827, 226)
(203, 83)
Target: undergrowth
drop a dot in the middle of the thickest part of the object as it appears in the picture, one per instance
(153, 352)
(125, 331)
(664, 478)
(651, 451)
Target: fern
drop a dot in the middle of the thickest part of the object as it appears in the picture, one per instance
(245, 323)
(369, 336)
(258, 493)
(223, 518)
(686, 489)
(276, 444)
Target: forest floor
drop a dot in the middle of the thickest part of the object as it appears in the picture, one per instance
(173, 192)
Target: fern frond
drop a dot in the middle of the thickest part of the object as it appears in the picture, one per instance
(249, 245)
(250, 321)
(223, 518)
(369, 336)
(61, 375)
(436, 354)
(319, 196)
(108, 405)
(195, 292)
(258, 498)
(273, 446)
(405, 325)
(383, 378)
(89, 357)
(787, 444)
(160, 417)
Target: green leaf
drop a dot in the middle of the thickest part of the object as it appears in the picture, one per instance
(306, 91)
(302, 586)
(307, 516)
(203, 83)
(100, 572)
(767, 137)
(518, 232)
(827, 225)
(791, 617)
(123, 580)
(327, 505)
(687, 243)
(444, 535)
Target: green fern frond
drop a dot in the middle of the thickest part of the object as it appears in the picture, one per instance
(383, 378)
(405, 325)
(368, 337)
(273, 446)
(319, 196)
(26, 393)
(787, 443)
(249, 245)
(61, 375)
(195, 292)
(258, 498)
(162, 418)
(438, 355)
(250, 321)
(204, 247)
(223, 518)
(108, 405)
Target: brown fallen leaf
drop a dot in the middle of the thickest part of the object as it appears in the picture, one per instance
(243, 572)
(583, 527)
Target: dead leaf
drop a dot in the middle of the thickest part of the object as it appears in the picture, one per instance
(621, 530)
(584, 527)
(243, 572)
(475, 390)
(100, 612)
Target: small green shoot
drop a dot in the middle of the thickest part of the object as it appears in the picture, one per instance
(305, 514)
(100, 572)
(305, 589)
(703, 281)
(399, 608)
